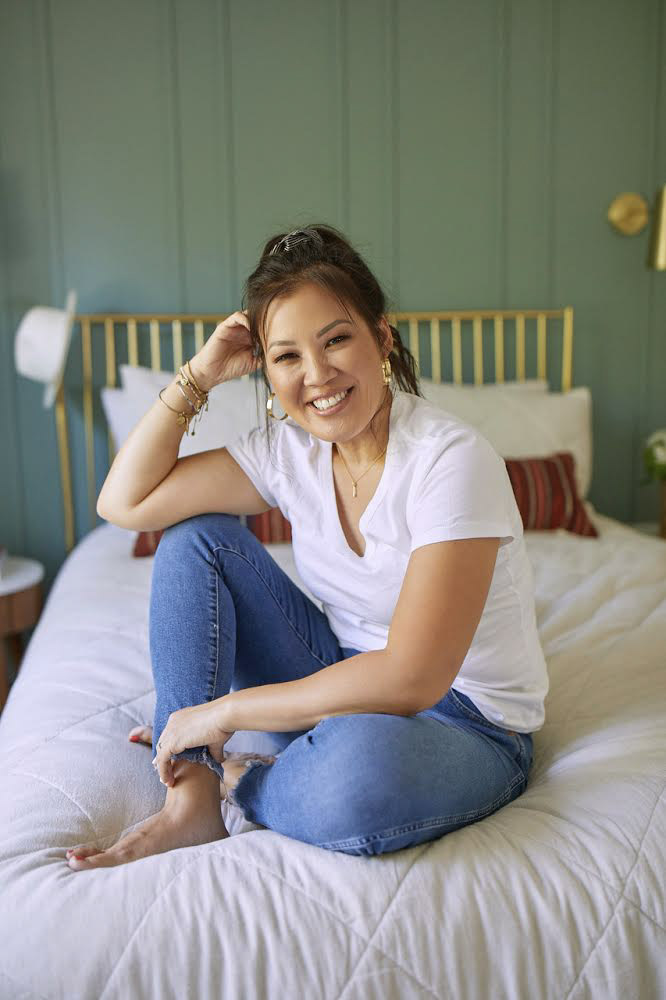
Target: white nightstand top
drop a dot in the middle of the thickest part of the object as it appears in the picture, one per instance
(19, 574)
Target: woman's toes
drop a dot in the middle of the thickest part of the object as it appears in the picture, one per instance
(165, 831)
(142, 734)
(77, 857)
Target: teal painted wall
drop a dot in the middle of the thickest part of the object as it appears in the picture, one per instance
(469, 149)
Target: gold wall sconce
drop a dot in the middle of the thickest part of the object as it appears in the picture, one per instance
(629, 213)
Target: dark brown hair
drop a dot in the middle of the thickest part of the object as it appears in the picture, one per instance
(320, 254)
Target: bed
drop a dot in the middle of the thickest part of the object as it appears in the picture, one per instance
(560, 894)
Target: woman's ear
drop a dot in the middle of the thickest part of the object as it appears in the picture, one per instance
(387, 336)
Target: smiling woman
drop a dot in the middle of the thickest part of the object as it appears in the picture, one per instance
(308, 284)
(333, 386)
(421, 671)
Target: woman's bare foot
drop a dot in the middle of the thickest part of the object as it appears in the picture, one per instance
(190, 816)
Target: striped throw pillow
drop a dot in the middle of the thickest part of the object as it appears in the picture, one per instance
(146, 542)
(546, 494)
(270, 526)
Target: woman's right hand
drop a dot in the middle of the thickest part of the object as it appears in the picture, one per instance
(226, 354)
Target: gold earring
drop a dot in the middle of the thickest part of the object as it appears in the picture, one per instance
(269, 407)
(386, 368)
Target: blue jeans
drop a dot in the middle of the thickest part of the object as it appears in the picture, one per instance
(223, 612)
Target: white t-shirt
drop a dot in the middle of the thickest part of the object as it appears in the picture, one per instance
(441, 480)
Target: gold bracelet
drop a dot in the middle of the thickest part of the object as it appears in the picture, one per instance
(201, 398)
(183, 417)
(195, 409)
(186, 372)
(189, 372)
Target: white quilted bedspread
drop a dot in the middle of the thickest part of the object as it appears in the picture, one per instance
(560, 894)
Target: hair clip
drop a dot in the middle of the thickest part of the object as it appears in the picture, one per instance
(294, 238)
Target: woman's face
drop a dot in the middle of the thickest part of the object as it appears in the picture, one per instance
(326, 354)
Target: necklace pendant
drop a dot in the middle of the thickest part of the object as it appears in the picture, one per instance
(354, 489)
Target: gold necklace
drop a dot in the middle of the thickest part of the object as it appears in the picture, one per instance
(354, 481)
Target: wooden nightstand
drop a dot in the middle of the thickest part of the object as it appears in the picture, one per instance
(21, 601)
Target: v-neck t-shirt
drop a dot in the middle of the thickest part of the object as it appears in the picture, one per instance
(442, 480)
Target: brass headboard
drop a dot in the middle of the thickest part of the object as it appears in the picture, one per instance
(432, 362)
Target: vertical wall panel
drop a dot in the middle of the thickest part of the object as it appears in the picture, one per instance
(205, 95)
(115, 134)
(448, 128)
(369, 108)
(286, 118)
(528, 143)
(604, 84)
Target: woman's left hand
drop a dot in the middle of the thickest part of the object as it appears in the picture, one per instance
(198, 725)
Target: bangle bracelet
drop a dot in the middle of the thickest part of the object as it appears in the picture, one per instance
(185, 373)
(189, 372)
(184, 381)
(195, 409)
(196, 384)
(183, 417)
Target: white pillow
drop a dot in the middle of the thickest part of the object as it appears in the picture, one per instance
(525, 424)
(442, 392)
(232, 410)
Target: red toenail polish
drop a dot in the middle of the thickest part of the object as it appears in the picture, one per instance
(134, 739)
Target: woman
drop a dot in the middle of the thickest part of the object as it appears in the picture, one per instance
(404, 525)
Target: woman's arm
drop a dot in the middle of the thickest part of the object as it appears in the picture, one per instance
(439, 608)
(366, 682)
(149, 453)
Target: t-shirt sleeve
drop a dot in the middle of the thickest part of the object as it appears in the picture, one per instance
(465, 492)
(251, 452)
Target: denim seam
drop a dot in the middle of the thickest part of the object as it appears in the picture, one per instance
(487, 738)
(216, 629)
(463, 724)
(466, 818)
(191, 754)
(242, 555)
(502, 754)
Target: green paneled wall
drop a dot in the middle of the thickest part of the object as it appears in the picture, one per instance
(470, 149)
